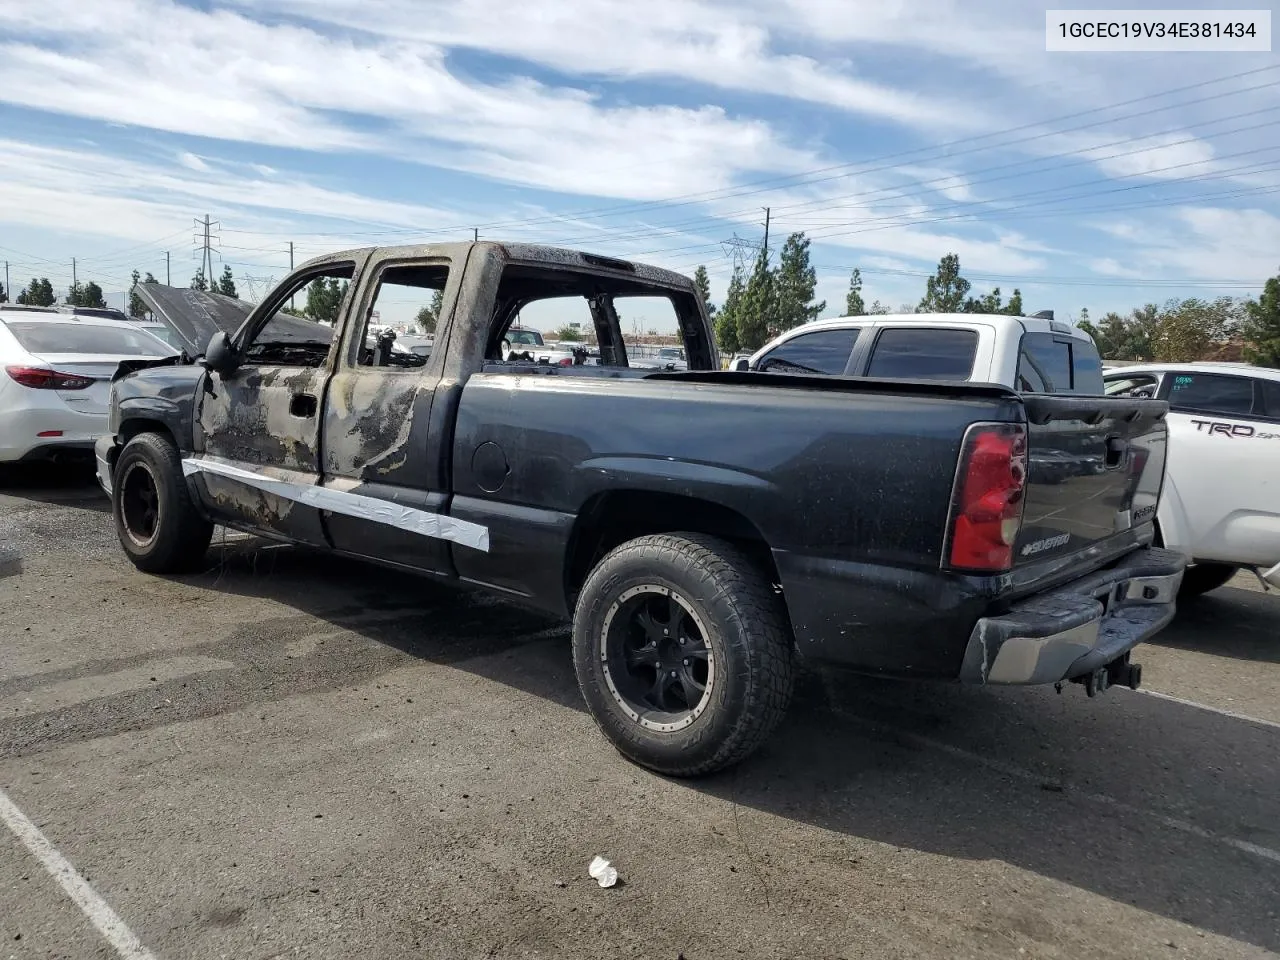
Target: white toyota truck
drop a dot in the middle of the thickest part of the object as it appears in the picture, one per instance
(1220, 506)
(1221, 500)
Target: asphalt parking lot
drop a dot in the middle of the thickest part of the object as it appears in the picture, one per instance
(296, 756)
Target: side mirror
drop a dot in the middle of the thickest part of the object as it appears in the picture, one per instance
(219, 354)
(742, 364)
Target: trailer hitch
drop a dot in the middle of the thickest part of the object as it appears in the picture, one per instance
(1119, 672)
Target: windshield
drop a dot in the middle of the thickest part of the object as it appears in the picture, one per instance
(165, 334)
(43, 336)
(525, 338)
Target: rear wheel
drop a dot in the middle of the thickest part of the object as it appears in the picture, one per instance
(158, 525)
(1202, 577)
(683, 653)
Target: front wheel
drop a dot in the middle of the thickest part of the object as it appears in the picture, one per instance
(158, 525)
(683, 652)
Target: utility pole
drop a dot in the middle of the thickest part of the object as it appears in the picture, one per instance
(8, 290)
(73, 273)
(766, 234)
(168, 279)
(475, 233)
(291, 304)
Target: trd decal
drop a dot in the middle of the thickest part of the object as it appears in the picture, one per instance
(1224, 429)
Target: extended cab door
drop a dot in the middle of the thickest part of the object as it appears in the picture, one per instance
(385, 466)
(1222, 495)
(257, 437)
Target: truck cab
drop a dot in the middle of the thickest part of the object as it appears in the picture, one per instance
(1029, 354)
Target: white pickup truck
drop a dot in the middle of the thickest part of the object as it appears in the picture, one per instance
(1221, 500)
(1030, 354)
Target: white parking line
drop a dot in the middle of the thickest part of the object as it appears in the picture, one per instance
(1205, 706)
(99, 912)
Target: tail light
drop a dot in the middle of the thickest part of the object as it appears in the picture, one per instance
(566, 362)
(986, 506)
(42, 378)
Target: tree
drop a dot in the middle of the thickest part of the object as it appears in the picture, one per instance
(428, 316)
(137, 308)
(794, 283)
(758, 309)
(225, 285)
(198, 282)
(1261, 327)
(324, 299)
(150, 278)
(945, 291)
(38, 293)
(727, 318)
(853, 305)
(85, 295)
(877, 309)
(703, 285)
(568, 334)
(1187, 330)
(4, 294)
(991, 303)
(1014, 307)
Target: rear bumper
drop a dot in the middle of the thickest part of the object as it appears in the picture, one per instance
(1079, 628)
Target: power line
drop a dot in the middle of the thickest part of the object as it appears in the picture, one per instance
(849, 167)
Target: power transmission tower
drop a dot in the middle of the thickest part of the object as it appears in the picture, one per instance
(205, 245)
(766, 233)
(256, 286)
(738, 249)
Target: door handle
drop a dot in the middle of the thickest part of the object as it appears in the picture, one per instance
(302, 405)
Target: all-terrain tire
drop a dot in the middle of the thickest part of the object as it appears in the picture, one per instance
(171, 536)
(1200, 578)
(748, 641)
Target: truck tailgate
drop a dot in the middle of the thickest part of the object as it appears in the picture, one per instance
(1095, 469)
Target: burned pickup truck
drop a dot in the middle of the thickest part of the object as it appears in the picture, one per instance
(704, 530)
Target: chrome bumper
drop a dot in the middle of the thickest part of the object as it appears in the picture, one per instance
(1078, 628)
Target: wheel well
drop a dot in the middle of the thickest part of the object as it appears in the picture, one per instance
(136, 425)
(610, 519)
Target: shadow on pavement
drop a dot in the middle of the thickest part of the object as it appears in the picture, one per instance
(69, 484)
(1228, 622)
(1139, 800)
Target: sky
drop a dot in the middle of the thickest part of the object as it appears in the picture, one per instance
(890, 132)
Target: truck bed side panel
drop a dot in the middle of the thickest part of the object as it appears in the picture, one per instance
(823, 476)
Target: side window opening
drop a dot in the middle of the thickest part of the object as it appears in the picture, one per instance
(408, 297)
(594, 320)
(299, 332)
(924, 354)
(1138, 385)
(823, 351)
(1212, 393)
(1051, 364)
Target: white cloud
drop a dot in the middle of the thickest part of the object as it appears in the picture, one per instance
(1109, 267)
(224, 75)
(724, 46)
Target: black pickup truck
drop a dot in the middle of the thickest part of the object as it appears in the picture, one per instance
(704, 529)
